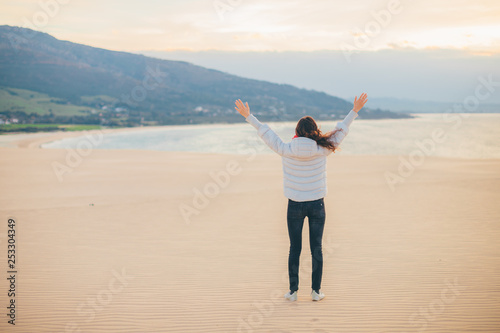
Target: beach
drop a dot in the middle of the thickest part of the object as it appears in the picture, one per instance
(152, 241)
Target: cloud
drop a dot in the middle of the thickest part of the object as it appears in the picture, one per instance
(274, 25)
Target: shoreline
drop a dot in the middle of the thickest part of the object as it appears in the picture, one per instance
(35, 140)
(38, 139)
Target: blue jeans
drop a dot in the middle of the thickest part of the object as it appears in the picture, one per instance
(297, 211)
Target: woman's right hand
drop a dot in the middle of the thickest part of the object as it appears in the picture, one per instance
(359, 103)
(243, 109)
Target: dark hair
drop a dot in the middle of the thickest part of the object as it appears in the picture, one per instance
(307, 127)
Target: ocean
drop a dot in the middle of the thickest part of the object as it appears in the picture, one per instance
(445, 134)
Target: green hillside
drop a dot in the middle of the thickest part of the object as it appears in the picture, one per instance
(46, 80)
(28, 101)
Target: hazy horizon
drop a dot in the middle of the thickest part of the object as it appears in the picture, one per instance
(446, 76)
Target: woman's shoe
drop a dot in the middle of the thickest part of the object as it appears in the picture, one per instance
(317, 297)
(291, 296)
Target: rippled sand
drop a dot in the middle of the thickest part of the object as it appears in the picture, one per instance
(107, 249)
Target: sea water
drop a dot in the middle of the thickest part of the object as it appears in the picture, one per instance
(444, 134)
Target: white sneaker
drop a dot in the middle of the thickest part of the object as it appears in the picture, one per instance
(317, 297)
(291, 297)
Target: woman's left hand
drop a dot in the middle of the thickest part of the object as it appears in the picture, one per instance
(359, 103)
(243, 109)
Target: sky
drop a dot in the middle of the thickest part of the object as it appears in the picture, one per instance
(428, 50)
(264, 25)
(424, 75)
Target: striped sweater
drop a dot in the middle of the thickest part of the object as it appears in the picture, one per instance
(304, 161)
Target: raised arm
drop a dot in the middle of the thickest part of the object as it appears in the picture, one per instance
(342, 128)
(265, 132)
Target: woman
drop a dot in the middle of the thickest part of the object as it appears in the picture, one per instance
(304, 171)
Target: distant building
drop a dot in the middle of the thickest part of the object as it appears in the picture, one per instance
(201, 109)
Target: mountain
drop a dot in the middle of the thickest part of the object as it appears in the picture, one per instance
(147, 88)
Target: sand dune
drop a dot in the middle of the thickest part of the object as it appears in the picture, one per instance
(108, 249)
